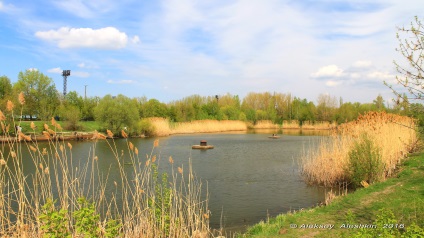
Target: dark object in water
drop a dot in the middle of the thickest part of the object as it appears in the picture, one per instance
(274, 136)
(203, 145)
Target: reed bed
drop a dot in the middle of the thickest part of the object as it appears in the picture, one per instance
(293, 124)
(266, 124)
(50, 194)
(321, 125)
(392, 135)
(162, 127)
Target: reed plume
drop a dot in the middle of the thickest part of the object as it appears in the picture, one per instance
(395, 137)
(21, 98)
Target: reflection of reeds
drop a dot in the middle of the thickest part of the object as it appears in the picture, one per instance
(394, 135)
(145, 205)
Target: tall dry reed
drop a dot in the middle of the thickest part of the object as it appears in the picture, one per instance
(266, 124)
(318, 125)
(328, 165)
(162, 127)
(292, 124)
(141, 202)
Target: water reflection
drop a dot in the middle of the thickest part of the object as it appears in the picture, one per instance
(248, 175)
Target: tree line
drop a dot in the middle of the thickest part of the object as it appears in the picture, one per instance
(44, 101)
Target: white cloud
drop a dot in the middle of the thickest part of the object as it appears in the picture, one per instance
(328, 71)
(362, 64)
(57, 70)
(103, 38)
(331, 83)
(355, 75)
(32, 69)
(380, 75)
(120, 81)
(135, 40)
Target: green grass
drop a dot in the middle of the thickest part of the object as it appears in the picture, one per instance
(86, 126)
(403, 195)
(90, 125)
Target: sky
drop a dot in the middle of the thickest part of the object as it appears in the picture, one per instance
(171, 49)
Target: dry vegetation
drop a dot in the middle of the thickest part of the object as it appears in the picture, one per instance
(394, 137)
(61, 197)
(162, 127)
(324, 125)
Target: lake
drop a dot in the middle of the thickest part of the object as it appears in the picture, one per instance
(248, 175)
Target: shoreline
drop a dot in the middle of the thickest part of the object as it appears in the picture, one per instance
(347, 211)
(82, 135)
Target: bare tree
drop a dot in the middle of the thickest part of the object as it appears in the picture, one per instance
(411, 46)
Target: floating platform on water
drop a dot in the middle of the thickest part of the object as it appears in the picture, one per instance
(203, 146)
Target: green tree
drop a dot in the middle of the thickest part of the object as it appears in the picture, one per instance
(347, 112)
(41, 96)
(89, 104)
(116, 113)
(49, 103)
(74, 99)
(5, 91)
(154, 108)
(71, 114)
(379, 103)
(5, 87)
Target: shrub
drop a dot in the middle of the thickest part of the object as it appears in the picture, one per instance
(365, 163)
(86, 219)
(53, 223)
(386, 225)
(146, 127)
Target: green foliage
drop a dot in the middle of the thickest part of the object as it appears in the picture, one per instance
(54, 223)
(365, 162)
(162, 200)
(413, 231)
(386, 225)
(145, 127)
(71, 114)
(113, 228)
(118, 112)
(154, 108)
(86, 219)
(89, 104)
(5, 91)
(350, 217)
(41, 96)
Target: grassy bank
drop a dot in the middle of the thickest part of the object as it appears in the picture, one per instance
(86, 126)
(396, 202)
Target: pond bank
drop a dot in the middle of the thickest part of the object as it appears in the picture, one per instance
(400, 197)
(163, 127)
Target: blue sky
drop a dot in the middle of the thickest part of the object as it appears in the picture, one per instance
(175, 48)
